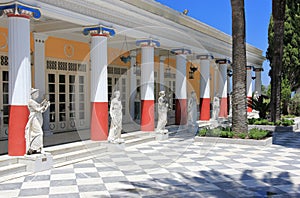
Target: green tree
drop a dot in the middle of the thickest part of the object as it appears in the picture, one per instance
(276, 53)
(291, 56)
(291, 53)
(239, 104)
(285, 95)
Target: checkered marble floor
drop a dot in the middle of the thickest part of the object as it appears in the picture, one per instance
(177, 167)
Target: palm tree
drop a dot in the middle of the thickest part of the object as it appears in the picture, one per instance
(278, 11)
(239, 99)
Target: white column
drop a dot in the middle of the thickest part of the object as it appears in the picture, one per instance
(180, 86)
(132, 83)
(19, 72)
(147, 83)
(39, 74)
(249, 85)
(204, 87)
(39, 63)
(147, 88)
(162, 73)
(180, 90)
(99, 98)
(258, 80)
(19, 60)
(223, 88)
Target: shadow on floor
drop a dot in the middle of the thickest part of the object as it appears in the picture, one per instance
(287, 139)
(215, 184)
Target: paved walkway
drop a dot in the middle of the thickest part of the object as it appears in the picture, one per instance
(177, 167)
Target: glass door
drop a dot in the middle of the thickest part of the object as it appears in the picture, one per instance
(67, 94)
(4, 103)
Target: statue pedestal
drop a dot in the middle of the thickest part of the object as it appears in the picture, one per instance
(115, 147)
(193, 128)
(162, 135)
(37, 162)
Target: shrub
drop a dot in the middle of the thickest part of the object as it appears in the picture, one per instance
(202, 132)
(261, 104)
(252, 120)
(257, 134)
(224, 134)
(288, 116)
(278, 123)
(263, 122)
(216, 132)
(294, 105)
(230, 134)
(242, 135)
(286, 122)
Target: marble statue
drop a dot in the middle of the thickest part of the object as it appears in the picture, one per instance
(230, 105)
(256, 96)
(216, 108)
(192, 109)
(115, 113)
(33, 129)
(162, 112)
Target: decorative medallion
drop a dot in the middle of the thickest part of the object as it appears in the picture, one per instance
(72, 123)
(52, 126)
(62, 125)
(69, 50)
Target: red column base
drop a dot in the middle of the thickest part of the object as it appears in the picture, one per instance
(18, 118)
(181, 111)
(204, 108)
(147, 115)
(223, 108)
(249, 105)
(99, 121)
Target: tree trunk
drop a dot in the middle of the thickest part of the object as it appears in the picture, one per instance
(239, 98)
(278, 11)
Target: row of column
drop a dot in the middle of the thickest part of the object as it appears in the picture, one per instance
(20, 78)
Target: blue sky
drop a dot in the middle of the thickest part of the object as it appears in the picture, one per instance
(217, 13)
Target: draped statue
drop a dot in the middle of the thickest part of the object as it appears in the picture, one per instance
(192, 109)
(162, 112)
(115, 113)
(33, 129)
(216, 108)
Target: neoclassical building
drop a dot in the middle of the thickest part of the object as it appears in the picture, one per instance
(78, 52)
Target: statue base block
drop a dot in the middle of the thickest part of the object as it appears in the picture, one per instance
(37, 162)
(193, 129)
(162, 135)
(115, 147)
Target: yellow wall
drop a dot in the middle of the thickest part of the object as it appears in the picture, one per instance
(60, 48)
(3, 40)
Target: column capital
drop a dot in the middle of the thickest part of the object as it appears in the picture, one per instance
(99, 30)
(178, 51)
(258, 69)
(133, 53)
(249, 67)
(205, 57)
(148, 42)
(222, 61)
(162, 58)
(17, 9)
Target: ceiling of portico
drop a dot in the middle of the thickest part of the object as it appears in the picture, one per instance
(67, 18)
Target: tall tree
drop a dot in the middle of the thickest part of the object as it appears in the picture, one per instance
(278, 13)
(239, 103)
(291, 53)
(291, 43)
